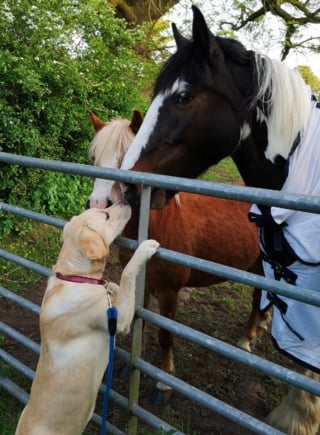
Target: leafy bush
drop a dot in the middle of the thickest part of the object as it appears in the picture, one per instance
(59, 59)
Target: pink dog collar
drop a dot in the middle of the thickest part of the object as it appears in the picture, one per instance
(81, 279)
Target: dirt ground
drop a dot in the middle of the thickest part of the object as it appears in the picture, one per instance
(219, 311)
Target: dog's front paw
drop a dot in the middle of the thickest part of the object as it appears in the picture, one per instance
(147, 249)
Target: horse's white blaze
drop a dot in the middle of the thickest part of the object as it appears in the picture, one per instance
(150, 120)
(101, 193)
(141, 139)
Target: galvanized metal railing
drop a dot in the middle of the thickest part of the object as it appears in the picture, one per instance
(261, 196)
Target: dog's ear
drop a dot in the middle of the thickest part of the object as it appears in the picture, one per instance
(91, 244)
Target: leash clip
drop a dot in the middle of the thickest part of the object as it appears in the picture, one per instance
(109, 299)
(112, 315)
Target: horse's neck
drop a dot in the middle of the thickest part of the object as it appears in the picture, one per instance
(171, 211)
(131, 229)
(255, 169)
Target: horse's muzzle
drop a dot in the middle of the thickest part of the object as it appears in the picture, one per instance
(131, 194)
(90, 203)
(159, 197)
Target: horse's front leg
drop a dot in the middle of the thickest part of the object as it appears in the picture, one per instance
(298, 413)
(168, 300)
(258, 322)
(124, 370)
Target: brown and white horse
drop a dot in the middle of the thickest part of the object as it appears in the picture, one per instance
(214, 229)
(214, 98)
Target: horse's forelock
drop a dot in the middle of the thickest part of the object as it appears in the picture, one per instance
(188, 64)
(111, 143)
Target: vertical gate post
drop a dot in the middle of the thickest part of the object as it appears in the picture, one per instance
(134, 384)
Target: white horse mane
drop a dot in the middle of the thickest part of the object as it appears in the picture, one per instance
(111, 143)
(289, 102)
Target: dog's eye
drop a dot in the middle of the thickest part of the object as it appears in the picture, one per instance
(107, 216)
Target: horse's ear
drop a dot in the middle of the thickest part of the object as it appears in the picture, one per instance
(136, 121)
(202, 35)
(96, 122)
(180, 40)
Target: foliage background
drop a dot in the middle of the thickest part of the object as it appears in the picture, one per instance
(57, 60)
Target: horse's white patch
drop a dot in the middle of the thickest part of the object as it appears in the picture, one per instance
(245, 131)
(261, 117)
(163, 387)
(178, 86)
(141, 139)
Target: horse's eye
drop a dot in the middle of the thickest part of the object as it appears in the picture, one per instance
(184, 98)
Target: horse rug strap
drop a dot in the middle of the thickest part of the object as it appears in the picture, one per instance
(295, 325)
(295, 253)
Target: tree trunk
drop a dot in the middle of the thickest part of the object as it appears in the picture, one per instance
(139, 11)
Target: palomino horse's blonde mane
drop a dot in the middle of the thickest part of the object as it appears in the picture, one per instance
(111, 143)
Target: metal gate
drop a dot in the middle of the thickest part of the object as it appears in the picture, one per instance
(137, 413)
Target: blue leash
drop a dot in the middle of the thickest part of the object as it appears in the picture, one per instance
(112, 315)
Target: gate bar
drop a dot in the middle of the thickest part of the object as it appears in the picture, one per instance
(234, 353)
(137, 327)
(202, 398)
(257, 195)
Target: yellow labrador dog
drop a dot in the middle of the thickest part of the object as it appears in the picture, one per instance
(73, 323)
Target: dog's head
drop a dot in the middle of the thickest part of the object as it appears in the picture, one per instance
(86, 238)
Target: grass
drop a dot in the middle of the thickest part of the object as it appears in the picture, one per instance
(174, 418)
(10, 409)
(225, 172)
(41, 243)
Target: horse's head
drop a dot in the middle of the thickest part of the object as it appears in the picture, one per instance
(107, 149)
(214, 98)
(197, 114)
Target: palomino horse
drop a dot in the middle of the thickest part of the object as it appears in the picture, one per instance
(214, 98)
(210, 228)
